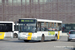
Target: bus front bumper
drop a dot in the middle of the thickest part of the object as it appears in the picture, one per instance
(26, 38)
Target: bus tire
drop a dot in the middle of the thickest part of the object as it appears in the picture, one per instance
(69, 39)
(42, 38)
(55, 38)
(15, 35)
(26, 40)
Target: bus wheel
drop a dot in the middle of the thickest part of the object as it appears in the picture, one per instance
(69, 39)
(26, 40)
(15, 35)
(55, 38)
(42, 38)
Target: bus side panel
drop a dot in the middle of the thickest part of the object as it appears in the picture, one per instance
(2, 35)
(39, 35)
(48, 35)
(8, 35)
(51, 34)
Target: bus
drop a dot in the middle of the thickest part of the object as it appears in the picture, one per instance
(6, 29)
(67, 27)
(39, 29)
(16, 30)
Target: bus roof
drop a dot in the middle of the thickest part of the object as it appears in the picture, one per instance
(6, 22)
(44, 20)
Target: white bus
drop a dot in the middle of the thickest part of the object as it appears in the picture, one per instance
(6, 29)
(39, 29)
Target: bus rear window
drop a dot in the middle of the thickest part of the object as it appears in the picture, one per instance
(72, 32)
(5, 27)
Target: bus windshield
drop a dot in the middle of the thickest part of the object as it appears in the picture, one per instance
(5, 27)
(27, 27)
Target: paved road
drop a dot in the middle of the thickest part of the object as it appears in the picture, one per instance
(15, 44)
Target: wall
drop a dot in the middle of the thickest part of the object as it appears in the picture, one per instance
(47, 9)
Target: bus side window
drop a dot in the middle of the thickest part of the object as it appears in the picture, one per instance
(42, 29)
(38, 26)
(38, 29)
(45, 29)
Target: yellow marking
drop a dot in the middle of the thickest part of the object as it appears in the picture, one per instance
(58, 34)
(29, 36)
(2, 35)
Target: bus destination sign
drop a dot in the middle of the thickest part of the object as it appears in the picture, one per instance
(26, 21)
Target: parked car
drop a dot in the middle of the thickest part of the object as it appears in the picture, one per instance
(71, 35)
